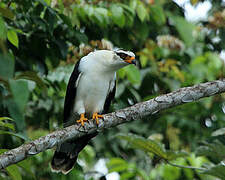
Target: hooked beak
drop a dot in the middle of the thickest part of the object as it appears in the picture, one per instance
(130, 60)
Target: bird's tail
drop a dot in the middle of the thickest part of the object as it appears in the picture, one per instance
(66, 154)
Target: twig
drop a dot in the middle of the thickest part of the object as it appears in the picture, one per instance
(9, 3)
(188, 167)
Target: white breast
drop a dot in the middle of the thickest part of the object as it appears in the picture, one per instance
(92, 88)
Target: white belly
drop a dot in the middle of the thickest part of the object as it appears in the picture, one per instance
(91, 93)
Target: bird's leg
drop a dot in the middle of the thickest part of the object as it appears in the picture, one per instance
(97, 116)
(82, 119)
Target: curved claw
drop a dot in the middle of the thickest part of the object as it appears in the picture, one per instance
(82, 119)
(96, 117)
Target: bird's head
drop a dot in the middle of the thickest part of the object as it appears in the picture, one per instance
(124, 57)
(107, 60)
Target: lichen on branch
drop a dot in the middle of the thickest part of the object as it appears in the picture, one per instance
(135, 112)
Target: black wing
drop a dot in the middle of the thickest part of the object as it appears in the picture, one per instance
(71, 93)
(66, 154)
(109, 99)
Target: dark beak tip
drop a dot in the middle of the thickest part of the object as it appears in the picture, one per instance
(134, 62)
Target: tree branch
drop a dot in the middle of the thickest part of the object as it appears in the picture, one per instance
(135, 112)
(188, 167)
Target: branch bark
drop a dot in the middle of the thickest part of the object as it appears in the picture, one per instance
(135, 112)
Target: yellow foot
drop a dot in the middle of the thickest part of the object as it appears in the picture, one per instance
(97, 116)
(82, 119)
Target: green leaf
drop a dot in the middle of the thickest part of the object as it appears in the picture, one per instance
(33, 76)
(6, 12)
(219, 132)
(129, 13)
(141, 30)
(133, 74)
(14, 134)
(7, 125)
(141, 11)
(81, 37)
(121, 73)
(13, 38)
(206, 67)
(135, 94)
(215, 150)
(26, 164)
(61, 5)
(116, 161)
(63, 48)
(16, 113)
(214, 65)
(20, 92)
(51, 18)
(133, 4)
(89, 11)
(118, 168)
(217, 171)
(6, 66)
(6, 118)
(117, 15)
(171, 173)
(3, 150)
(37, 133)
(3, 31)
(171, 155)
(16, 106)
(146, 145)
(88, 154)
(101, 16)
(66, 20)
(82, 12)
(143, 174)
(127, 175)
(127, 9)
(156, 12)
(184, 28)
(14, 172)
(117, 165)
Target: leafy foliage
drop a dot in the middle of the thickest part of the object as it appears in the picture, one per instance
(40, 40)
(145, 145)
(215, 151)
(127, 170)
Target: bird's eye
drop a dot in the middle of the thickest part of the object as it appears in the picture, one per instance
(122, 55)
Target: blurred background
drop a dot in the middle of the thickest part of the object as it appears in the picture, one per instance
(177, 43)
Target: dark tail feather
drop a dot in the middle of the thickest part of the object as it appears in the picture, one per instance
(66, 154)
(62, 162)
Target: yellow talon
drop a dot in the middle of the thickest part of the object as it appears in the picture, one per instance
(82, 119)
(96, 116)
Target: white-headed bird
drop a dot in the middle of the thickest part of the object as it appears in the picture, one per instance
(90, 90)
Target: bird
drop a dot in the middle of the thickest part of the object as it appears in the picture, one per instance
(90, 91)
